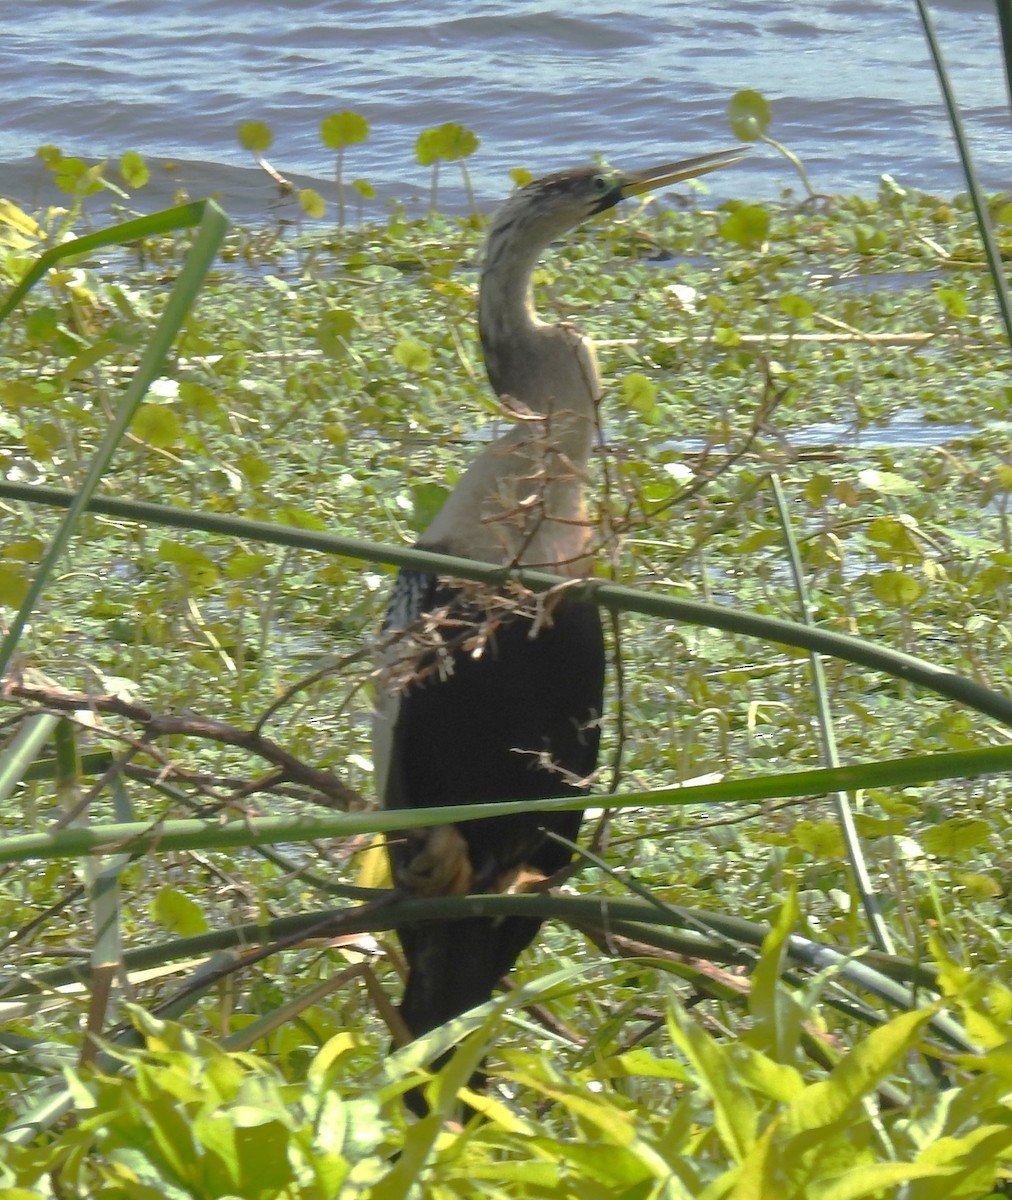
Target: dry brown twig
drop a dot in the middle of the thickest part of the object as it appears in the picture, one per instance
(289, 769)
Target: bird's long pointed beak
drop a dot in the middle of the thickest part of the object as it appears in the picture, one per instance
(637, 182)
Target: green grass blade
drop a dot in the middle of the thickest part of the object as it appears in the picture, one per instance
(609, 595)
(186, 216)
(191, 834)
(23, 749)
(855, 853)
(977, 197)
(1005, 25)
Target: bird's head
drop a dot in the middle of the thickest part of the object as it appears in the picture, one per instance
(548, 207)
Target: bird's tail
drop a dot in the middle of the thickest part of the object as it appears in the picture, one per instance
(454, 966)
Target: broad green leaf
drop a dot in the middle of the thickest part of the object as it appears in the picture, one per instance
(343, 129)
(255, 136)
(335, 329)
(426, 501)
(157, 425)
(798, 307)
(313, 204)
(749, 115)
(956, 836)
(245, 564)
(640, 394)
(134, 170)
(856, 1075)
(450, 141)
(413, 356)
(199, 570)
(748, 226)
(887, 483)
(821, 839)
(178, 912)
(896, 589)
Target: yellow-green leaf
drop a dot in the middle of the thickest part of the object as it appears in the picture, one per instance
(955, 837)
(157, 425)
(749, 115)
(343, 129)
(255, 136)
(313, 204)
(177, 912)
(413, 356)
(748, 226)
(134, 170)
(896, 589)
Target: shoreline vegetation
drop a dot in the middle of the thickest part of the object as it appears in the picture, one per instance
(743, 991)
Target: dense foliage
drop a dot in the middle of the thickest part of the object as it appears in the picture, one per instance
(332, 381)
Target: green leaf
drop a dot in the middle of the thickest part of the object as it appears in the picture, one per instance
(450, 141)
(313, 204)
(13, 587)
(413, 356)
(343, 129)
(822, 839)
(244, 565)
(797, 307)
(639, 392)
(776, 1014)
(896, 589)
(199, 570)
(857, 1075)
(426, 501)
(255, 136)
(157, 425)
(747, 226)
(954, 301)
(177, 912)
(335, 329)
(735, 1115)
(887, 483)
(134, 170)
(957, 836)
(748, 114)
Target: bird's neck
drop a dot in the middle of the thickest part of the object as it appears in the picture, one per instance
(522, 500)
(549, 370)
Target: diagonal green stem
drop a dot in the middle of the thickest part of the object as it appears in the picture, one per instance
(994, 263)
(609, 595)
(192, 834)
(855, 854)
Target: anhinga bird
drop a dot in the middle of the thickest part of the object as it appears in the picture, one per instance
(480, 700)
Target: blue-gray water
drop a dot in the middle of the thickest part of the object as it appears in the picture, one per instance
(543, 85)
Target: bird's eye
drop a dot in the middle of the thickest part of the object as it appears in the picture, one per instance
(600, 184)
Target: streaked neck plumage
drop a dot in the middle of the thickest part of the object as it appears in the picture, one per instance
(521, 500)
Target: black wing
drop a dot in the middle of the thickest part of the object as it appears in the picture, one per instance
(505, 706)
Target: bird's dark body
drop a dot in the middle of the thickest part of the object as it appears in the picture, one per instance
(510, 709)
(520, 721)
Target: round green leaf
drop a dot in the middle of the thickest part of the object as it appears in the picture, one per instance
(450, 141)
(749, 115)
(747, 226)
(178, 913)
(313, 204)
(334, 331)
(412, 356)
(896, 589)
(134, 169)
(255, 136)
(157, 425)
(343, 129)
